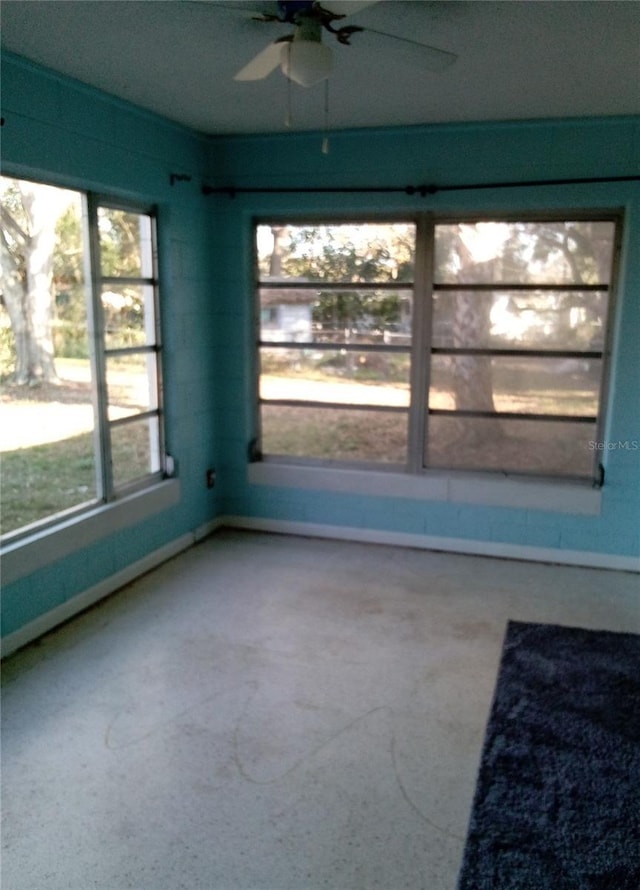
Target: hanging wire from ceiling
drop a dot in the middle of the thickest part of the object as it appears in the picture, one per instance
(325, 137)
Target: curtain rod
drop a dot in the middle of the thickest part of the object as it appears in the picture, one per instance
(422, 190)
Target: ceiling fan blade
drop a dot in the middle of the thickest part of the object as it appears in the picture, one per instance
(263, 64)
(429, 57)
(346, 7)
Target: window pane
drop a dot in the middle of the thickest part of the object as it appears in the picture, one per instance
(131, 384)
(135, 450)
(573, 320)
(47, 420)
(346, 377)
(572, 252)
(477, 256)
(47, 449)
(128, 316)
(351, 316)
(526, 446)
(125, 243)
(47, 430)
(334, 434)
(340, 252)
(333, 255)
(287, 315)
(539, 286)
(519, 385)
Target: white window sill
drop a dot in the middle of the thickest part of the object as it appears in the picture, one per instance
(460, 488)
(45, 546)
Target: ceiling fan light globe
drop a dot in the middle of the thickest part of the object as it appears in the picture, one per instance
(306, 62)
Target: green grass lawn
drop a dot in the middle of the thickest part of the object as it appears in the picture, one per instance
(335, 434)
(36, 482)
(46, 479)
(41, 479)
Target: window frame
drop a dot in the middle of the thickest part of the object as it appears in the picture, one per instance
(108, 493)
(108, 490)
(255, 450)
(422, 349)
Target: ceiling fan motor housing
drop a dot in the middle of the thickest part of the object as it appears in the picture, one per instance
(306, 62)
(291, 10)
(305, 59)
(302, 56)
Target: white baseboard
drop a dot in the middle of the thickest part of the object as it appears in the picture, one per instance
(207, 528)
(430, 542)
(46, 622)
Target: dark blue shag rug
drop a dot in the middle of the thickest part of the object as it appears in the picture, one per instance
(557, 801)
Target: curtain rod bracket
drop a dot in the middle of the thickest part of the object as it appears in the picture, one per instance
(422, 190)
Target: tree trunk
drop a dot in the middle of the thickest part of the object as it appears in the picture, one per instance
(14, 297)
(279, 243)
(473, 379)
(473, 374)
(42, 204)
(471, 327)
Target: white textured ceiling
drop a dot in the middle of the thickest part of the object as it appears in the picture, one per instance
(516, 60)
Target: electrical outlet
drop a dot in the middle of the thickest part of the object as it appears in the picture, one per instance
(211, 478)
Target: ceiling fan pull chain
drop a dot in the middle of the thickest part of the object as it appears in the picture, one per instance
(325, 138)
(288, 121)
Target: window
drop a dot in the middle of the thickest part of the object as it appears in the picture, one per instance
(79, 352)
(435, 344)
(335, 340)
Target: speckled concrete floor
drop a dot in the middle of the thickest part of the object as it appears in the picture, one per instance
(271, 713)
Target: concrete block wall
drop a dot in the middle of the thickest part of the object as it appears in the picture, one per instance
(439, 155)
(59, 131)
(62, 132)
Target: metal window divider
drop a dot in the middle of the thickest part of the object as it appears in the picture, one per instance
(104, 472)
(420, 342)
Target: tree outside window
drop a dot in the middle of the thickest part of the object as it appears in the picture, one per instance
(502, 371)
(77, 321)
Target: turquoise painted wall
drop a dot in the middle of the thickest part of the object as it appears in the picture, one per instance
(62, 132)
(440, 155)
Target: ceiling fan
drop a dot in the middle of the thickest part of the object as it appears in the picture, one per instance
(304, 58)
